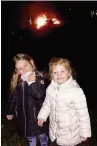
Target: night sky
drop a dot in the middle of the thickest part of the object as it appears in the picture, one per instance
(76, 40)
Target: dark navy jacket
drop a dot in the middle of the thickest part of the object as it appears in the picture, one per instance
(25, 104)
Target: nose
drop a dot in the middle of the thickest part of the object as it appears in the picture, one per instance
(23, 71)
(58, 74)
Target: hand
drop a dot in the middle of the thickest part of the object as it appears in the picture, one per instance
(9, 117)
(31, 77)
(40, 122)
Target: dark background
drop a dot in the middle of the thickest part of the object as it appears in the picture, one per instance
(75, 40)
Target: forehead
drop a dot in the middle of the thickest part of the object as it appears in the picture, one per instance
(59, 67)
(20, 63)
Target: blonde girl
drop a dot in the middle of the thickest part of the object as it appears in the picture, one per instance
(27, 92)
(66, 106)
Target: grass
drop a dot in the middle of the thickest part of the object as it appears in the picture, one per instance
(9, 136)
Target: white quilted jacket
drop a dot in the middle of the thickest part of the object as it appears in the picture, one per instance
(67, 109)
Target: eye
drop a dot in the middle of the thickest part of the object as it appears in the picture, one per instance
(54, 72)
(25, 65)
(20, 69)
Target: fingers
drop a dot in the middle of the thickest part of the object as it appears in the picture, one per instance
(31, 77)
(40, 122)
(9, 117)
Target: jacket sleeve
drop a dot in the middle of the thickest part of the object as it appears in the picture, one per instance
(45, 109)
(37, 89)
(10, 110)
(80, 105)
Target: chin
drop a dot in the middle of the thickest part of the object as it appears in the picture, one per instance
(60, 82)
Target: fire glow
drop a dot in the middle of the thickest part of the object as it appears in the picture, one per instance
(42, 21)
(40, 17)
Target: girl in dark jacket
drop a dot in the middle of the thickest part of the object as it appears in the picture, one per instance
(26, 98)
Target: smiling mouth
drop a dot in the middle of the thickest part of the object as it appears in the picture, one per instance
(59, 78)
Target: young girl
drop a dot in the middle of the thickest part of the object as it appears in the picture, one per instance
(26, 97)
(66, 106)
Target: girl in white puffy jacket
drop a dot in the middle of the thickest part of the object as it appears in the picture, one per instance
(66, 106)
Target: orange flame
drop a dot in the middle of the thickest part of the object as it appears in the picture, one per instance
(55, 21)
(41, 21)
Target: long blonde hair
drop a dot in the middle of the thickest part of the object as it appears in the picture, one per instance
(15, 76)
(59, 61)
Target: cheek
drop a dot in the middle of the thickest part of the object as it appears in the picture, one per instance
(30, 67)
(54, 77)
(66, 76)
(27, 68)
(20, 72)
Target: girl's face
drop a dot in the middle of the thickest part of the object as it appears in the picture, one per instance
(60, 74)
(23, 66)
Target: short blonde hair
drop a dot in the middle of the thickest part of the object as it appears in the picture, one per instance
(59, 61)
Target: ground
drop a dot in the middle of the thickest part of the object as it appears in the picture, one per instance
(9, 136)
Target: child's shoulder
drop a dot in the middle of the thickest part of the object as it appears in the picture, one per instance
(76, 88)
(77, 91)
(49, 88)
(40, 78)
(39, 73)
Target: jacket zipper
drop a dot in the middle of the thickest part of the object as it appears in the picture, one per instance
(16, 111)
(24, 108)
(56, 112)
